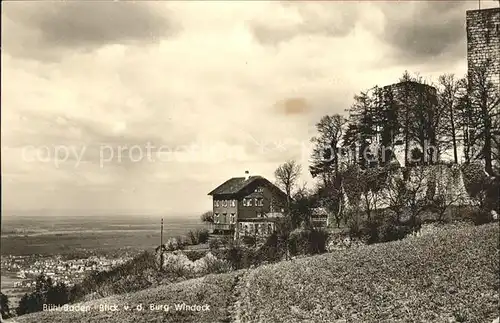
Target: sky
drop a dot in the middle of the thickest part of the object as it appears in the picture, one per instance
(147, 106)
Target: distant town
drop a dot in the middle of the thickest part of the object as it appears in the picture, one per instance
(25, 269)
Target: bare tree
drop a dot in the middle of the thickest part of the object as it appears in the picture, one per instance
(483, 189)
(287, 176)
(395, 195)
(371, 183)
(416, 194)
(330, 198)
(481, 113)
(407, 194)
(449, 101)
(440, 203)
(363, 189)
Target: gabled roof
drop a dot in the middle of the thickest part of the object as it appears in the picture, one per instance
(236, 184)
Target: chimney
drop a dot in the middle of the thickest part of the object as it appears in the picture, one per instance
(247, 175)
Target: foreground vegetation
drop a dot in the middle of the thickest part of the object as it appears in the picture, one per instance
(448, 275)
(214, 290)
(451, 274)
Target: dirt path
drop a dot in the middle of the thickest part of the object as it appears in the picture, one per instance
(234, 306)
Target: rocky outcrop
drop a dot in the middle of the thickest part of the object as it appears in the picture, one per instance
(428, 182)
(341, 241)
(178, 261)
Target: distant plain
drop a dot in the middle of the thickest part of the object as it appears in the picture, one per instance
(49, 234)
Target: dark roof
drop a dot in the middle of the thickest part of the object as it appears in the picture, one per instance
(237, 184)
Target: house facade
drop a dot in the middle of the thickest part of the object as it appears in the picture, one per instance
(246, 206)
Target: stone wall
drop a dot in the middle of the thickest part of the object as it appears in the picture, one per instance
(427, 181)
(483, 47)
(483, 40)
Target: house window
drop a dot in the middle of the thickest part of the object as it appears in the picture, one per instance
(259, 202)
(270, 228)
(233, 203)
(224, 203)
(224, 217)
(259, 190)
(216, 218)
(233, 218)
(216, 203)
(247, 202)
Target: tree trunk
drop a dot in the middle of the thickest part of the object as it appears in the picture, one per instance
(407, 139)
(487, 148)
(453, 136)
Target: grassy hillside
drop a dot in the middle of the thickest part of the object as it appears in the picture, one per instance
(447, 276)
(442, 277)
(214, 290)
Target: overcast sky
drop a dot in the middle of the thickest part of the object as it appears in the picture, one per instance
(227, 86)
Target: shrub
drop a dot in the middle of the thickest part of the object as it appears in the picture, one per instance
(194, 255)
(215, 244)
(202, 235)
(234, 254)
(249, 240)
(215, 265)
(384, 228)
(481, 216)
(182, 241)
(192, 237)
(311, 241)
(46, 292)
(117, 280)
(297, 242)
(371, 230)
(354, 224)
(4, 306)
(177, 264)
(197, 236)
(342, 241)
(270, 251)
(390, 231)
(172, 244)
(238, 255)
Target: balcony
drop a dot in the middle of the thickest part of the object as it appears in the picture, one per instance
(221, 226)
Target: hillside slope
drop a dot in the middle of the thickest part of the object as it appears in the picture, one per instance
(447, 276)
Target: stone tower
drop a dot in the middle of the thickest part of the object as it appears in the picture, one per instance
(483, 52)
(483, 41)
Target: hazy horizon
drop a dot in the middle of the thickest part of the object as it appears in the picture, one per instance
(111, 213)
